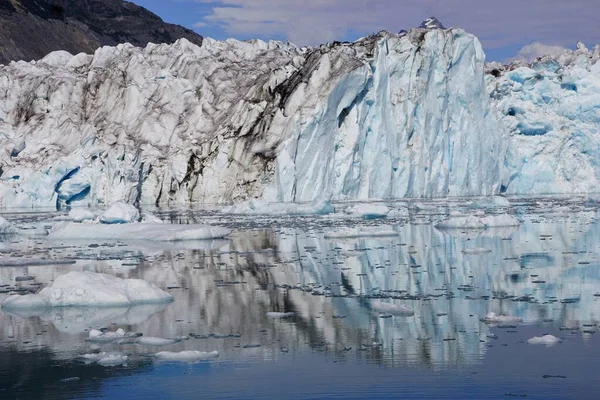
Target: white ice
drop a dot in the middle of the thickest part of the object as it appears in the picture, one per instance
(548, 340)
(156, 341)
(81, 214)
(368, 211)
(186, 356)
(85, 289)
(137, 231)
(120, 213)
(106, 359)
(6, 227)
(492, 317)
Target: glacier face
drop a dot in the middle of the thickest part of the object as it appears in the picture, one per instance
(388, 116)
(551, 111)
(392, 117)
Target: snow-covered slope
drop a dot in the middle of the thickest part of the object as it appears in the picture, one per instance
(389, 116)
(551, 110)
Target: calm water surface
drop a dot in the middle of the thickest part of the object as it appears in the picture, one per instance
(329, 271)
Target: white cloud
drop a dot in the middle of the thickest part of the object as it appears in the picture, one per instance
(536, 49)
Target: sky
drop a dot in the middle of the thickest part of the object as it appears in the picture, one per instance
(508, 29)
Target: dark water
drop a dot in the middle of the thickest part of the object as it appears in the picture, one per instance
(546, 272)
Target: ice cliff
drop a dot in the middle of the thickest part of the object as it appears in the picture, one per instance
(388, 116)
(551, 111)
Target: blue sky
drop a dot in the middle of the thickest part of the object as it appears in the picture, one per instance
(507, 28)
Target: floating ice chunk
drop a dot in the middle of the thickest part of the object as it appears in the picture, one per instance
(368, 211)
(106, 359)
(120, 213)
(148, 218)
(479, 221)
(548, 340)
(156, 341)
(6, 227)
(502, 319)
(145, 232)
(260, 207)
(186, 356)
(81, 214)
(280, 314)
(82, 289)
(476, 250)
(105, 337)
(390, 308)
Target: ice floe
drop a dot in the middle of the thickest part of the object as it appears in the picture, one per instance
(83, 289)
(137, 231)
(548, 340)
(186, 356)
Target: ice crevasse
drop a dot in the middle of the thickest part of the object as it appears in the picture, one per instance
(388, 116)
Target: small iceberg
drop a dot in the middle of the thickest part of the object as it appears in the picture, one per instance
(186, 356)
(141, 231)
(81, 215)
(368, 211)
(393, 309)
(105, 359)
(6, 227)
(156, 341)
(97, 336)
(87, 289)
(502, 319)
(548, 340)
(120, 213)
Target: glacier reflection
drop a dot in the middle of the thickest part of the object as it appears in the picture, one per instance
(545, 272)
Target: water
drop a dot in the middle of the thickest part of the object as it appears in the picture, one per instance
(545, 272)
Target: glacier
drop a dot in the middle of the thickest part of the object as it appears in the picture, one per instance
(551, 112)
(412, 115)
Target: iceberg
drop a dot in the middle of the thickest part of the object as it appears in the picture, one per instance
(137, 231)
(156, 341)
(89, 289)
(492, 317)
(6, 227)
(81, 215)
(368, 211)
(120, 213)
(548, 340)
(186, 356)
(106, 359)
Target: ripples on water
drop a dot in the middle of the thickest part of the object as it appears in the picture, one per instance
(547, 272)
